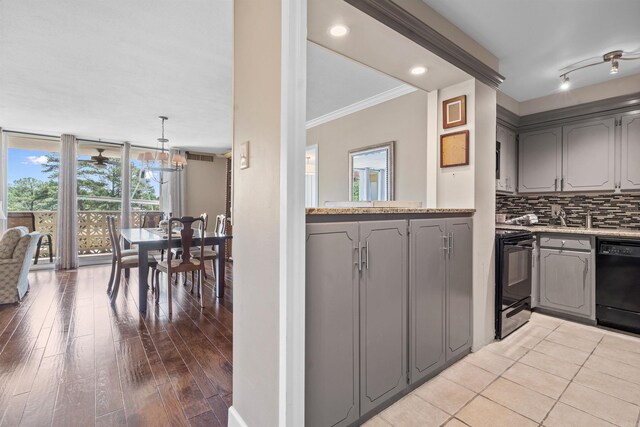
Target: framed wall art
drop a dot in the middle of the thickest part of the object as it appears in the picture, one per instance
(454, 112)
(454, 149)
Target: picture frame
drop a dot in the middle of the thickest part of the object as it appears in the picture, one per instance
(454, 112)
(454, 149)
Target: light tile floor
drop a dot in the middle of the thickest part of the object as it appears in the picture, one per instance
(551, 372)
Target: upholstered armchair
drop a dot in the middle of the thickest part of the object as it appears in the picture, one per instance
(17, 247)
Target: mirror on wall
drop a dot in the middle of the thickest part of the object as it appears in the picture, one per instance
(371, 173)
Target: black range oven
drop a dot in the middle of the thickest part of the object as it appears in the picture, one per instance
(514, 255)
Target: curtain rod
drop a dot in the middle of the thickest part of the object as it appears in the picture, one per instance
(42, 135)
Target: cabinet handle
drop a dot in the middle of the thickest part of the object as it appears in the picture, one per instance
(555, 184)
(445, 242)
(562, 184)
(367, 255)
(450, 243)
(358, 263)
(586, 272)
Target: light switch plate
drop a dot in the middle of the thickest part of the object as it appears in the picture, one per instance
(244, 155)
(555, 210)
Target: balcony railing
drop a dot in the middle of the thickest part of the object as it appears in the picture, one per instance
(93, 234)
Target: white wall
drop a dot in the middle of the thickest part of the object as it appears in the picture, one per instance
(206, 183)
(484, 218)
(256, 213)
(456, 184)
(403, 120)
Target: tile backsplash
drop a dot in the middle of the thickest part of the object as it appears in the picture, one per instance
(608, 210)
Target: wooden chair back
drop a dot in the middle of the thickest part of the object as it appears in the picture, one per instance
(186, 240)
(114, 237)
(151, 219)
(21, 219)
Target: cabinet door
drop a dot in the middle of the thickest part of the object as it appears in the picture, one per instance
(540, 161)
(512, 162)
(565, 281)
(332, 325)
(501, 138)
(589, 156)
(427, 296)
(459, 287)
(630, 136)
(383, 312)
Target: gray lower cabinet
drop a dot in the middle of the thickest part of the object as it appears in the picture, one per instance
(359, 311)
(630, 138)
(440, 291)
(383, 312)
(540, 161)
(588, 162)
(427, 296)
(459, 286)
(332, 396)
(566, 281)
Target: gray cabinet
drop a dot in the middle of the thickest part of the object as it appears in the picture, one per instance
(566, 281)
(332, 348)
(630, 143)
(507, 181)
(588, 162)
(459, 286)
(427, 296)
(383, 311)
(540, 161)
(440, 291)
(359, 311)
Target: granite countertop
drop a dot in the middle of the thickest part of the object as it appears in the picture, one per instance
(600, 232)
(369, 211)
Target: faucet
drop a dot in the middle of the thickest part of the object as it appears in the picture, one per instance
(563, 217)
(589, 220)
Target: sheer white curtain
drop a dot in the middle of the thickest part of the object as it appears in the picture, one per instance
(177, 188)
(4, 194)
(125, 221)
(67, 232)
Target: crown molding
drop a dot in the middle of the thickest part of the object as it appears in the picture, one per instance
(399, 19)
(361, 105)
(507, 117)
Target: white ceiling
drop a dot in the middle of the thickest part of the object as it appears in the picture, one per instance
(534, 39)
(335, 81)
(107, 69)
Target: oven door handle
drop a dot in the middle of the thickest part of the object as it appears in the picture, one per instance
(523, 243)
(517, 310)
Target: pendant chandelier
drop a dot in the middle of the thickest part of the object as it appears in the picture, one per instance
(160, 160)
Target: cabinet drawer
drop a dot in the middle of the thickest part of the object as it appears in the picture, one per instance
(566, 242)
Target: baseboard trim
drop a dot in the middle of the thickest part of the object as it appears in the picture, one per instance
(235, 420)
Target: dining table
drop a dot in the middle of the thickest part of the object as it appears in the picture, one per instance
(152, 239)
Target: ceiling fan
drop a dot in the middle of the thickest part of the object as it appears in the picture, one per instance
(100, 160)
(613, 57)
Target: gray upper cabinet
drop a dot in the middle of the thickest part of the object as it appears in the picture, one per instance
(508, 159)
(540, 161)
(427, 296)
(589, 156)
(630, 137)
(459, 287)
(566, 281)
(332, 325)
(383, 312)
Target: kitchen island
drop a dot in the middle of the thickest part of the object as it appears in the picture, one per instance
(389, 297)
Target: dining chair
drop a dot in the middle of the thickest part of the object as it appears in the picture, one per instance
(151, 219)
(186, 263)
(122, 260)
(28, 219)
(209, 253)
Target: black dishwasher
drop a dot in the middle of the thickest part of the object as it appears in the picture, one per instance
(618, 284)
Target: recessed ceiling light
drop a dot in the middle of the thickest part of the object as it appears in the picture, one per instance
(566, 83)
(339, 30)
(419, 70)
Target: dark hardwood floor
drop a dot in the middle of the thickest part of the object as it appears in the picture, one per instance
(68, 358)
